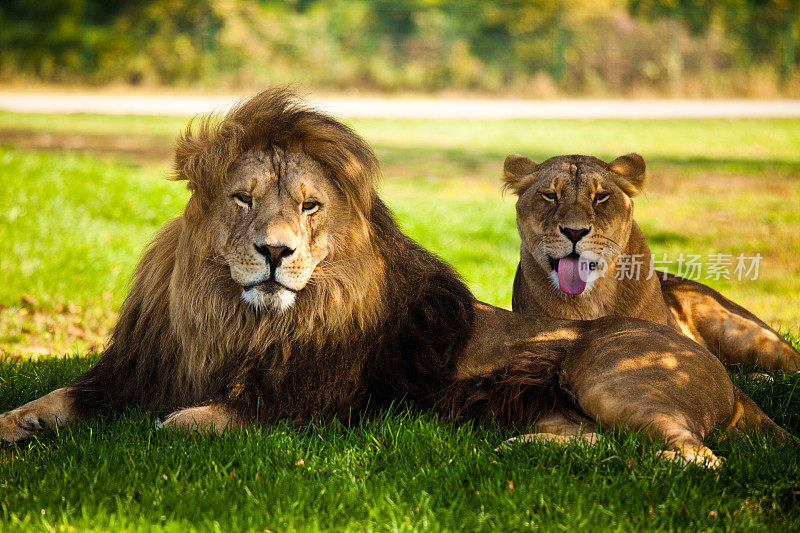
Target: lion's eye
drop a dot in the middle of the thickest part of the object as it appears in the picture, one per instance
(550, 196)
(601, 197)
(243, 199)
(310, 206)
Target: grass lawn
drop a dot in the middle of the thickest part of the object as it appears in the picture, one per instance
(73, 224)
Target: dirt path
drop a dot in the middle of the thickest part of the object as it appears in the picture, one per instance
(141, 104)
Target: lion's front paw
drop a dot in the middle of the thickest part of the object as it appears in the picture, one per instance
(16, 426)
(209, 418)
(48, 411)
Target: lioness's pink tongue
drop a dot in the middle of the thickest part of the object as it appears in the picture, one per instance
(569, 279)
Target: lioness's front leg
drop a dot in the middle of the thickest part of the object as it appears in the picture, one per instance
(655, 380)
(50, 410)
(212, 417)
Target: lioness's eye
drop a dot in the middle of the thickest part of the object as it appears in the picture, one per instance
(243, 198)
(601, 197)
(550, 196)
(310, 205)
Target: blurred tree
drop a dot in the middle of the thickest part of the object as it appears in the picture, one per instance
(789, 41)
(694, 14)
(752, 25)
(45, 36)
(526, 46)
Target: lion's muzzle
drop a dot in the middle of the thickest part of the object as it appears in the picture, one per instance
(273, 254)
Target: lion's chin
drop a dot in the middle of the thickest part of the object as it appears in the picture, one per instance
(278, 300)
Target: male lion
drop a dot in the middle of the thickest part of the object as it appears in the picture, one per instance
(576, 212)
(286, 290)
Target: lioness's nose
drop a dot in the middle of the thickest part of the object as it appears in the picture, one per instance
(573, 234)
(273, 254)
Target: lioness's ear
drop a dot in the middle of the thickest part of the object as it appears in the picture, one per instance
(518, 173)
(630, 167)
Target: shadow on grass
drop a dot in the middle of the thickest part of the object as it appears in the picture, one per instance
(472, 160)
(420, 155)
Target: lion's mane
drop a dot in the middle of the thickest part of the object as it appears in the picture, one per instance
(382, 320)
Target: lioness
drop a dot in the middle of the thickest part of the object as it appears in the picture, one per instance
(575, 220)
(285, 290)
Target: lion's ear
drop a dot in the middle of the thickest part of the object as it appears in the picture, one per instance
(518, 173)
(198, 156)
(630, 168)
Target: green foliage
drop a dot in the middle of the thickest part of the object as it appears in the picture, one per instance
(533, 47)
(65, 40)
(695, 14)
(45, 36)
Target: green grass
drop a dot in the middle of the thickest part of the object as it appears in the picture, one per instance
(74, 224)
(86, 123)
(722, 144)
(402, 471)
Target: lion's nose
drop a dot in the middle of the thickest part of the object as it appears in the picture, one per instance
(574, 235)
(273, 254)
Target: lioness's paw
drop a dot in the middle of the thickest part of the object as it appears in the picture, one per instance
(698, 456)
(762, 377)
(208, 418)
(589, 437)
